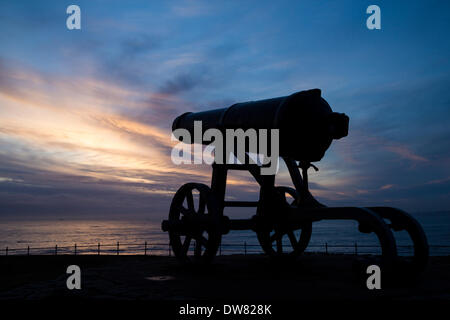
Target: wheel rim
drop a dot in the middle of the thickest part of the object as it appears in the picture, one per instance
(286, 242)
(198, 244)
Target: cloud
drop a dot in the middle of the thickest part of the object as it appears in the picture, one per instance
(125, 64)
(439, 181)
(190, 8)
(181, 83)
(79, 149)
(404, 152)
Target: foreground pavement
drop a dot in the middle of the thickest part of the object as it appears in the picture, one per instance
(239, 278)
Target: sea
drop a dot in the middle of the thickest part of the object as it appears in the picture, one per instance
(144, 236)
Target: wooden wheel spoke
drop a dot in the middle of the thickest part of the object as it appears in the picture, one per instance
(274, 237)
(203, 241)
(198, 248)
(185, 246)
(185, 211)
(201, 204)
(280, 245)
(190, 201)
(292, 239)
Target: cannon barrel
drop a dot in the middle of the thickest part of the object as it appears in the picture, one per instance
(306, 123)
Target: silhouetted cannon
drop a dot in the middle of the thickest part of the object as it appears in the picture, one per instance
(284, 215)
(306, 122)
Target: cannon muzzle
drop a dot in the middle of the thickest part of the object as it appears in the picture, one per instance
(306, 123)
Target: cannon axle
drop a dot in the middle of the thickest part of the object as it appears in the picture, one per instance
(224, 225)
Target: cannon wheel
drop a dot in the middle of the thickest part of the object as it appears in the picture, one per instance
(187, 205)
(272, 241)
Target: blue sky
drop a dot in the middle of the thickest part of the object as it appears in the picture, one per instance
(85, 115)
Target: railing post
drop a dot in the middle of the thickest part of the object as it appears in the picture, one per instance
(170, 253)
(98, 249)
(220, 249)
(56, 250)
(356, 248)
(28, 250)
(145, 248)
(326, 248)
(117, 247)
(75, 252)
(245, 248)
(6, 251)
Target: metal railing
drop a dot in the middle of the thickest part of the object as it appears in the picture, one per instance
(162, 249)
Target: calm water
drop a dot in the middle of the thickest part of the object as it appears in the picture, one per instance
(43, 235)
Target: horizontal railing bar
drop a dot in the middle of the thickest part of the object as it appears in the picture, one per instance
(224, 245)
(240, 203)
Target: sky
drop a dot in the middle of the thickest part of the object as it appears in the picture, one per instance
(85, 115)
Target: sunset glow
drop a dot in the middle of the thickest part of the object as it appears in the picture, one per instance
(85, 117)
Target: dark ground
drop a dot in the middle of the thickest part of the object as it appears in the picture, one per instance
(238, 277)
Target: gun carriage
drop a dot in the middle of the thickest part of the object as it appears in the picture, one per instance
(284, 215)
